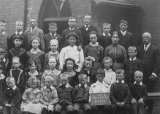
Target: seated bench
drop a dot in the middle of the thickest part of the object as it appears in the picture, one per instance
(153, 95)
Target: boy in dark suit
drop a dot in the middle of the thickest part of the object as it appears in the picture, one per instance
(86, 29)
(51, 35)
(120, 94)
(12, 97)
(72, 28)
(125, 37)
(19, 27)
(138, 93)
(105, 39)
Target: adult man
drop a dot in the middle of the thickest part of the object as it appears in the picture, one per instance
(150, 57)
(34, 31)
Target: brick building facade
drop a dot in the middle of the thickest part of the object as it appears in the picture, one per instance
(142, 15)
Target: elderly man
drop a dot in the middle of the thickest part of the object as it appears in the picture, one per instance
(34, 31)
(150, 57)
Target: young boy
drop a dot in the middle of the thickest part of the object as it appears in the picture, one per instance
(17, 51)
(81, 95)
(125, 37)
(120, 94)
(86, 29)
(12, 97)
(99, 87)
(51, 35)
(19, 31)
(72, 51)
(3, 36)
(131, 65)
(72, 28)
(138, 94)
(49, 96)
(65, 96)
(105, 39)
(94, 50)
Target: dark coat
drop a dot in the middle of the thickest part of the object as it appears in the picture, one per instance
(104, 41)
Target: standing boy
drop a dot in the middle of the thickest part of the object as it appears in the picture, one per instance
(125, 37)
(51, 35)
(138, 94)
(86, 29)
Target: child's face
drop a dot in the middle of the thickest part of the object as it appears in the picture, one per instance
(10, 83)
(115, 39)
(100, 77)
(138, 78)
(53, 29)
(72, 23)
(19, 26)
(35, 44)
(17, 42)
(106, 29)
(88, 64)
(83, 81)
(93, 38)
(2, 26)
(2, 55)
(87, 20)
(72, 41)
(32, 67)
(123, 26)
(33, 23)
(53, 47)
(107, 64)
(33, 85)
(132, 54)
(64, 81)
(16, 64)
(48, 83)
(52, 63)
(69, 65)
(120, 76)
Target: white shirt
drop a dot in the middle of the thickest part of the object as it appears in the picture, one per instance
(110, 77)
(146, 46)
(139, 83)
(104, 34)
(121, 81)
(123, 32)
(132, 59)
(71, 52)
(18, 32)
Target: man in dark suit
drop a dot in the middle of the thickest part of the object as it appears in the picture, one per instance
(72, 28)
(150, 57)
(34, 31)
(125, 37)
(86, 29)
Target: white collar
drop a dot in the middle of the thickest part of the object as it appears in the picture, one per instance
(123, 32)
(87, 26)
(51, 87)
(14, 87)
(94, 45)
(56, 52)
(52, 34)
(67, 85)
(81, 85)
(4, 59)
(104, 34)
(121, 81)
(55, 71)
(2, 76)
(109, 70)
(72, 28)
(132, 59)
(35, 51)
(35, 73)
(18, 32)
(139, 83)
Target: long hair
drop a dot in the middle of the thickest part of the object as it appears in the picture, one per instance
(65, 65)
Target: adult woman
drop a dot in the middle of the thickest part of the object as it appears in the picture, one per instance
(116, 52)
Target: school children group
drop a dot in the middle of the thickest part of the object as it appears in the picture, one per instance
(45, 74)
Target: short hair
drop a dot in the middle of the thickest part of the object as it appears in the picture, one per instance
(93, 32)
(89, 58)
(124, 21)
(73, 17)
(10, 78)
(52, 58)
(31, 62)
(132, 48)
(33, 79)
(100, 71)
(107, 24)
(64, 76)
(54, 41)
(72, 34)
(35, 38)
(2, 21)
(15, 59)
(19, 22)
(138, 72)
(147, 33)
(52, 24)
(119, 71)
(107, 58)
(33, 18)
(87, 15)
(80, 76)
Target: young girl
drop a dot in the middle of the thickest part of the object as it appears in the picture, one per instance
(52, 72)
(52, 53)
(70, 69)
(17, 73)
(31, 97)
(89, 70)
(32, 72)
(35, 54)
(110, 76)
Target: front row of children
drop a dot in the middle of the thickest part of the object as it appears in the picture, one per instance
(52, 100)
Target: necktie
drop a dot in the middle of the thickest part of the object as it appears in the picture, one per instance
(145, 48)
